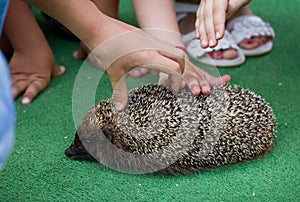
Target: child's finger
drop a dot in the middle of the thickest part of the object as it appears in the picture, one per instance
(209, 23)
(171, 65)
(18, 87)
(120, 94)
(200, 25)
(33, 89)
(218, 81)
(192, 83)
(219, 13)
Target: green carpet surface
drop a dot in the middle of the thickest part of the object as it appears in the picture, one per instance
(37, 169)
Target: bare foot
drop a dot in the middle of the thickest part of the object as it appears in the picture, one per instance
(254, 42)
(187, 25)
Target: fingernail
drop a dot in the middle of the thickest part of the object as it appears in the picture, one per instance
(25, 100)
(203, 42)
(62, 68)
(211, 42)
(196, 90)
(119, 106)
(205, 89)
(218, 35)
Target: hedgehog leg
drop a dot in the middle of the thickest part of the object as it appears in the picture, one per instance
(76, 150)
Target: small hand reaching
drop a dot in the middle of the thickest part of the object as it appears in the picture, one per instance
(211, 18)
(197, 80)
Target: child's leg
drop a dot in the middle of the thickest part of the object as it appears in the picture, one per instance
(5, 46)
(32, 62)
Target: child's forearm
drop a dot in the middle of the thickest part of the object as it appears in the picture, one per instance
(158, 14)
(83, 18)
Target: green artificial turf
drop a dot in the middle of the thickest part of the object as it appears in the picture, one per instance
(37, 169)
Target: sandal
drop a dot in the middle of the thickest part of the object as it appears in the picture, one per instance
(201, 55)
(248, 26)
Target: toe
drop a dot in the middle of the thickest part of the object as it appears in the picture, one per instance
(248, 44)
(216, 55)
(229, 53)
(260, 40)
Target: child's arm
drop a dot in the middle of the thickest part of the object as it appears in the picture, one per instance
(158, 15)
(31, 59)
(90, 25)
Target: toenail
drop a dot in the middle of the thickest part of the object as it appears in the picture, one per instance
(249, 42)
(260, 43)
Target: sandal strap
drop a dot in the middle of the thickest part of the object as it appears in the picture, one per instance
(194, 49)
(246, 27)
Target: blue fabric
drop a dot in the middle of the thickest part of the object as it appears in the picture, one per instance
(7, 111)
(3, 9)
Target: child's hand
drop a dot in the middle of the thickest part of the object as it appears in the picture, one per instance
(120, 54)
(155, 60)
(31, 77)
(32, 63)
(211, 17)
(197, 80)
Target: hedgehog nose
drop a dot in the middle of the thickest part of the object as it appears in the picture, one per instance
(69, 152)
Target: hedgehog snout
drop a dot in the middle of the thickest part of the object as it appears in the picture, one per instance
(76, 149)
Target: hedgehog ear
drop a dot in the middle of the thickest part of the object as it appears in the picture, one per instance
(108, 134)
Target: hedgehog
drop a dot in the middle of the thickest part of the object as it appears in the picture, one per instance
(170, 133)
